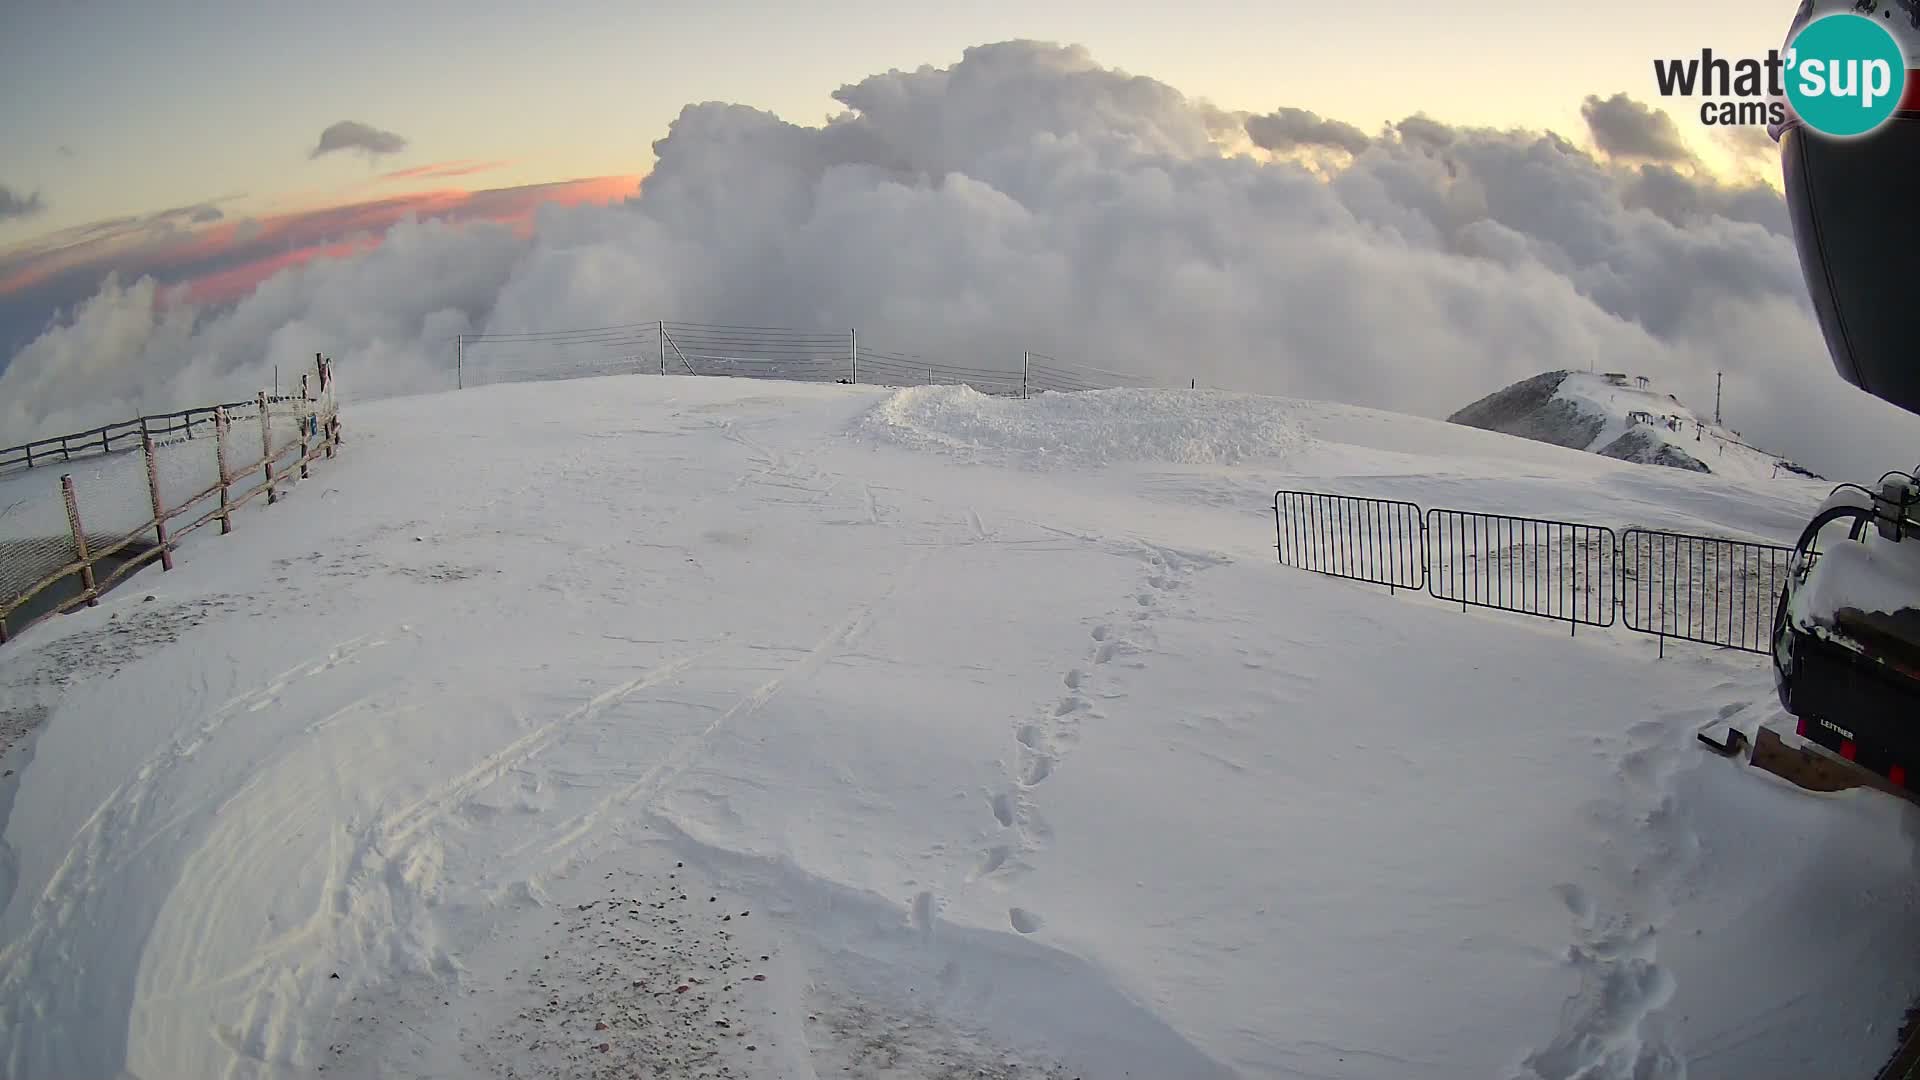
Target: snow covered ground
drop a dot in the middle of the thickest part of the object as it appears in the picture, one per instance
(658, 726)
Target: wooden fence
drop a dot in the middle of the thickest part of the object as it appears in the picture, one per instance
(123, 436)
(315, 432)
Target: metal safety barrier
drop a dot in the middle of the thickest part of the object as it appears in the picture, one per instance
(1705, 589)
(1701, 588)
(1533, 566)
(1372, 540)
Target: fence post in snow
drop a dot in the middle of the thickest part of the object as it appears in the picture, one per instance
(1026, 361)
(159, 511)
(325, 370)
(306, 429)
(266, 446)
(79, 536)
(853, 341)
(220, 459)
(333, 424)
(660, 339)
(459, 361)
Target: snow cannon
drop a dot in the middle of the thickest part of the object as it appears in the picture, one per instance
(1846, 633)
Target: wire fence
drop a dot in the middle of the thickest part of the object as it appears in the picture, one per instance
(757, 352)
(1707, 589)
(69, 535)
(122, 437)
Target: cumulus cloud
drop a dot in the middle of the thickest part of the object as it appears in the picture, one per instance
(1027, 197)
(1748, 143)
(1287, 129)
(352, 135)
(1687, 200)
(398, 304)
(15, 205)
(1625, 128)
(1424, 130)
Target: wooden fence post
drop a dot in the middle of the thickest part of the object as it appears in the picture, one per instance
(159, 510)
(333, 420)
(79, 536)
(220, 456)
(266, 445)
(306, 428)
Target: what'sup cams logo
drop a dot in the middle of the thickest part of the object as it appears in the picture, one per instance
(1843, 71)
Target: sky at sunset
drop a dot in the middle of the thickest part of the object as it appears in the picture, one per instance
(187, 188)
(114, 109)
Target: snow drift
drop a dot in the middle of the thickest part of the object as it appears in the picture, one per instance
(808, 730)
(1092, 427)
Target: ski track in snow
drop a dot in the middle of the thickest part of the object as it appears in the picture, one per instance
(644, 791)
(94, 868)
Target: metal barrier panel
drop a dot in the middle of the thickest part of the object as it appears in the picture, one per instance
(1373, 540)
(1554, 569)
(1702, 588)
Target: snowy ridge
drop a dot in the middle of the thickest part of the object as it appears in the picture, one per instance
(906, 752)
(1093, 427)
(1620, 417)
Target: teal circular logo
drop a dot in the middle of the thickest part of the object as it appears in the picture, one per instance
(1845, 74)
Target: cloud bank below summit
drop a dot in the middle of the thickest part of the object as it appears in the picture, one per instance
(1028, 197)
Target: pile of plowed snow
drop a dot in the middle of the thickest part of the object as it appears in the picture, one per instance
(1180, 427)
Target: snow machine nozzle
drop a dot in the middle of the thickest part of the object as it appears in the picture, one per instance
(1896, 507)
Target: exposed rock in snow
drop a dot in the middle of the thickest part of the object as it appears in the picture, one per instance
(1623, 417)
(1642, 448)
(1531, 410)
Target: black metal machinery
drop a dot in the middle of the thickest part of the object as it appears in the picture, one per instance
(1846, 637)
